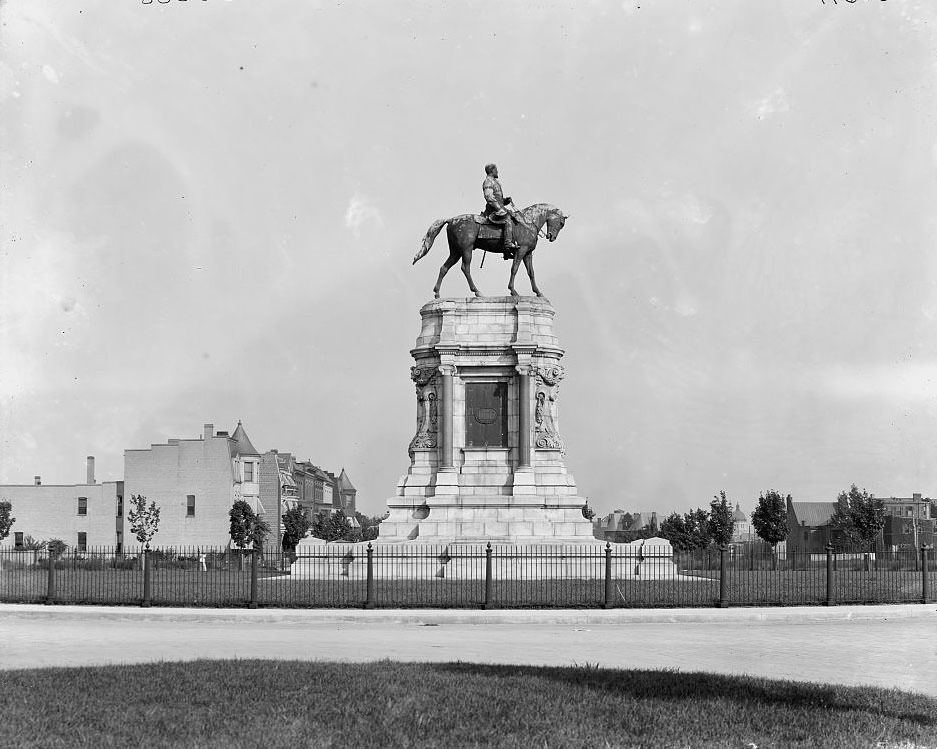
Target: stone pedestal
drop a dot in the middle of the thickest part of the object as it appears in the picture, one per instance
(487, 458)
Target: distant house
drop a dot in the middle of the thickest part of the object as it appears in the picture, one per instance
(83, 515)
(907, 524)
(809, 528)
(278, 491)
(621, 527)
(286, 481)
(347, 495)
(901, 532)
(915, 506)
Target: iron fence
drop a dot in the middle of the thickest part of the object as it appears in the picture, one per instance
(466, 576)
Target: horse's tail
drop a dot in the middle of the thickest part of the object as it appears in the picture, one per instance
(430, 237)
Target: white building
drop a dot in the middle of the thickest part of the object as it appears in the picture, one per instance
(195, 482)
(82, 515)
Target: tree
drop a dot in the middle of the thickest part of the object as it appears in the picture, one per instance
(688, 531)
(720, 521)
(333, 526)
(34, 544)
(674, 530)
(247, 528)
(6, 519)
(770, 517)
(56, 548)
(144, 521)
(370, 526)
(296, 524)
(860, 515)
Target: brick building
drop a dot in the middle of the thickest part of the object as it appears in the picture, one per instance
(82, 515)
(909, 532)
(286, 481)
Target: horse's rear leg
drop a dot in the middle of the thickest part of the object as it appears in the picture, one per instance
(444, 269)
(467, 270)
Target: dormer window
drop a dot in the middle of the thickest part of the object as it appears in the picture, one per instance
(248, 471)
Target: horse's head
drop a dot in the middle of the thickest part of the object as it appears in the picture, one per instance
(556, 220)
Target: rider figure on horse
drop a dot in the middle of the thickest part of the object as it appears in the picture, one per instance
(496, 209)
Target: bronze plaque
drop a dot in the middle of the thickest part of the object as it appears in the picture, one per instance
(486, 414)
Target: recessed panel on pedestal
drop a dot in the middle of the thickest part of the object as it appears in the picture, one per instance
(486, 414)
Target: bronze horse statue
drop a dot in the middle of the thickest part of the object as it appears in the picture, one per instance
(466, 234)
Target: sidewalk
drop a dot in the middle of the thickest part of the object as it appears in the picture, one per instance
(890, 646)
(791, 614)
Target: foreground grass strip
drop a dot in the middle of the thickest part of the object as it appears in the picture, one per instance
(286, 703)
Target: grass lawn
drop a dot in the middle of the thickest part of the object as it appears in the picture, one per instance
(385, 704)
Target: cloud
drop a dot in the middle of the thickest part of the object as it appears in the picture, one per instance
(360, 213)
(910, 381)
(771, 104)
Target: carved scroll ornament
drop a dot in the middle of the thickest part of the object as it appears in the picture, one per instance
(550, 376)
(427, 410)
(546, 433)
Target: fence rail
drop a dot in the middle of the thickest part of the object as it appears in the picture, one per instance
(466, 576)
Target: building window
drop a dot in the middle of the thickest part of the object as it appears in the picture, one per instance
(82, 505)
(120, 542)
(120, 506)
(82, 541)
(248, 471)
(17, 540)
(190, 505)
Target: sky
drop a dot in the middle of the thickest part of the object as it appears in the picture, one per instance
(208, 211)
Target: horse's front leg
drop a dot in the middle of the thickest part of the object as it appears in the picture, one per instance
(529, 264)
(514, 266)
(467, 270)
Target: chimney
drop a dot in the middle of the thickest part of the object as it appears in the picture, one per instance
(90, 469)
(917, 497)
(37, 480)
(209, 431)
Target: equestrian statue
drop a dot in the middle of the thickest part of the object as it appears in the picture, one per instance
(499, 228)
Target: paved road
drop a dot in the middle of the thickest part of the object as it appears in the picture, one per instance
(885, 646)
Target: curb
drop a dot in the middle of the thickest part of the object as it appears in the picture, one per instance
(10, 613)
